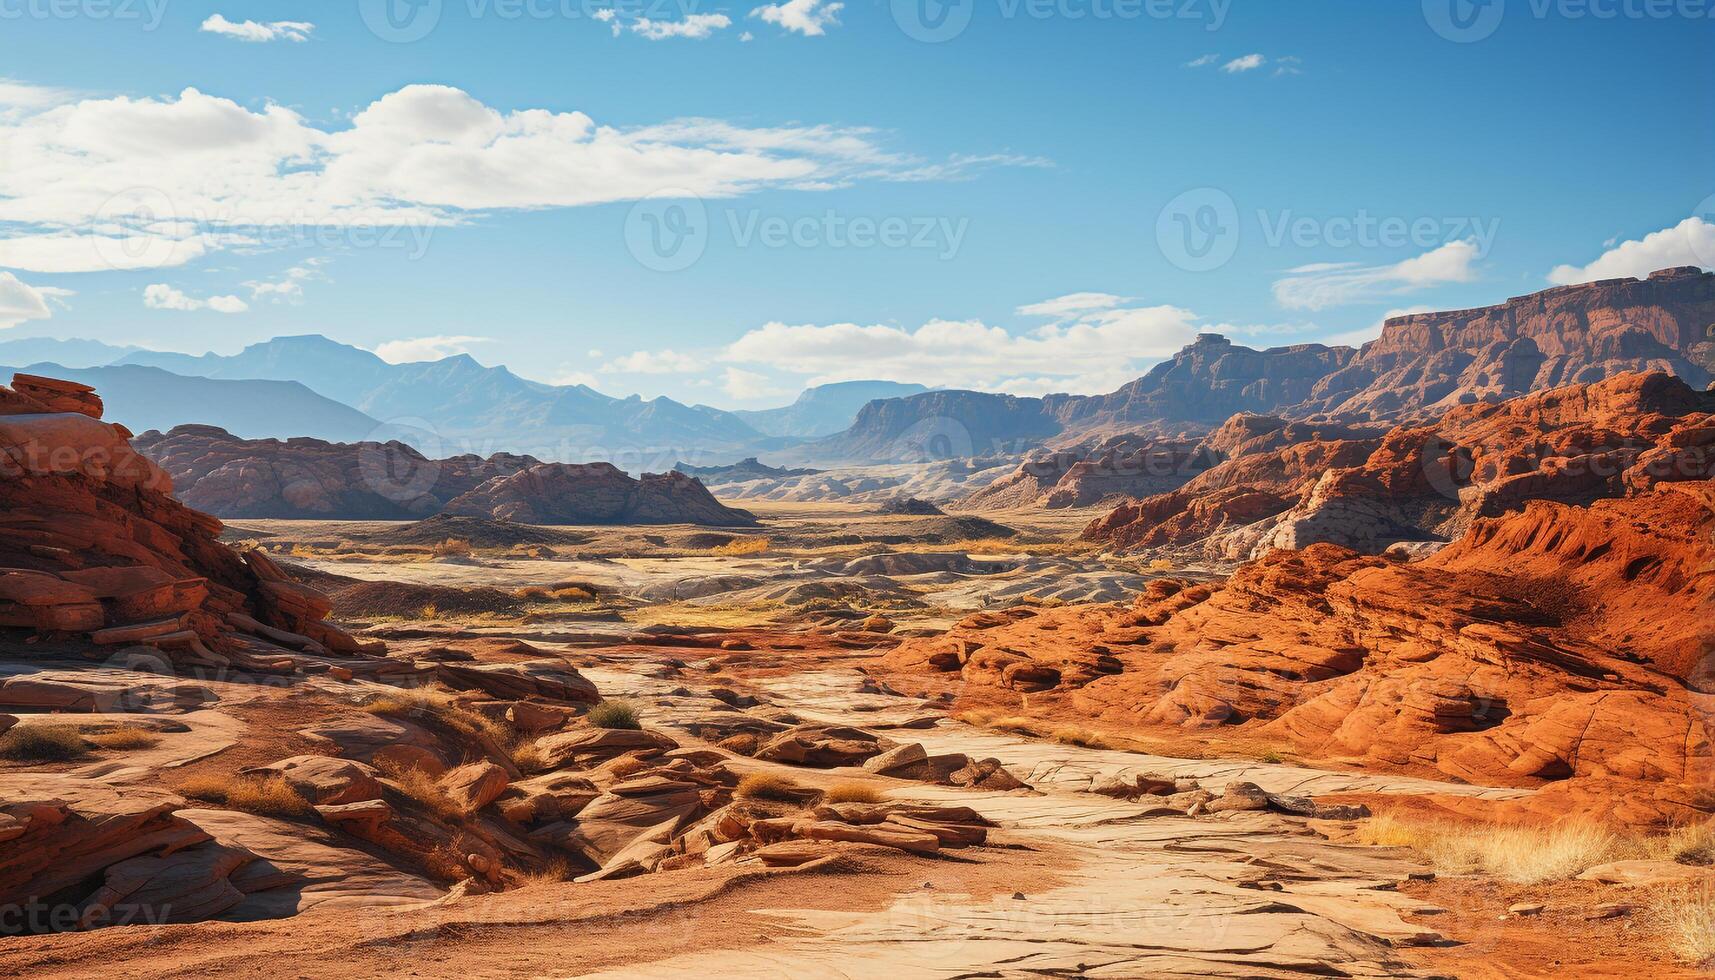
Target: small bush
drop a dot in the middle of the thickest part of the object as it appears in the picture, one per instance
(852, 792)
(429, 611)
(744, 546)
(528, 757)
(451, 548)
(270, 796)
(1081, 737)
(1272, 757)
(43, 743)
(125, 737)
(614, 714)
(1687, 845)
(767, 786)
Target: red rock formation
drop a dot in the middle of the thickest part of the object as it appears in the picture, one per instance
(1121, 467)
(1426, 484)
(93, 544)
(596, 493)
(1561, 336)
(230, 477)
(1562, 648)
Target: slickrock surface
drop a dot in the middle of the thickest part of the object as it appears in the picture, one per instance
(230, 477)
(93, 544)
(1559, 647)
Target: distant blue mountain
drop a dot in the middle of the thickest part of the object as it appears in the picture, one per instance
(71, 352)
(826, 409)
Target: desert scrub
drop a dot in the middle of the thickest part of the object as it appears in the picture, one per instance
(744, 546)
(1081, 737)
(1686, 919)
(425, 789)
(267, 795)
(1519, 854)
(451, 548)
(768, 786)
(438, 707)
(614, 714)
(124, 738)
(852, 792)
(43, 743)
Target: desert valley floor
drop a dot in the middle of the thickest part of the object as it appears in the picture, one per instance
(1096, 852)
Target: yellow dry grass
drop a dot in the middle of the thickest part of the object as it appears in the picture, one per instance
(740, 547)
(768, 786)
(425, 789)
(437, 707)
(852, 792)
(124, 738)
(1686, 920)
(1531, 855)
(269, 796)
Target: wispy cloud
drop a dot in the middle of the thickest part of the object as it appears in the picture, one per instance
(256, 32)
(1249, 62)
(1319, 286)
(161, 296)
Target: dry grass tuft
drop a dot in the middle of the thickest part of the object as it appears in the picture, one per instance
(852, 792)
(767, 786)
(43, 743)
(438, 707)
(425, 789)
(744, 546)
(1686, 918)
(528, 757)
(744, 743)
(125, 737)
(1687, 845)
(555, 871)
(614, 714)
(269, 796)
(1523, 855)
(627, 765)
(1081, 737)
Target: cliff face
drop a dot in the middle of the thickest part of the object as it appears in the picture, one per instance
(1561, 336)
(93, 544)
(231, 477)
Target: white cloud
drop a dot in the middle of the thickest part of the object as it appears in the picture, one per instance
(217, 172)
(1691, 242)
(1071, 304)
(654, 362)
(695, 26)
(289, 288)
(1288, 65)
(1096, 351)
(17, 98)
(1249, 62)
(807, 17)
(1203, 62)
(161, 296)
(1319, 286)
(413, 349)
(748, 386)
(20, 301)
(252, 31)
(747, 36)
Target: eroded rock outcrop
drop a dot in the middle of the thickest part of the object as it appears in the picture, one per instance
(93, 544)
(596, 493)
(308, 479)
(1561, 647)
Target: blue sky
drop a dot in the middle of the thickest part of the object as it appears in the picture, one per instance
(986, 211)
